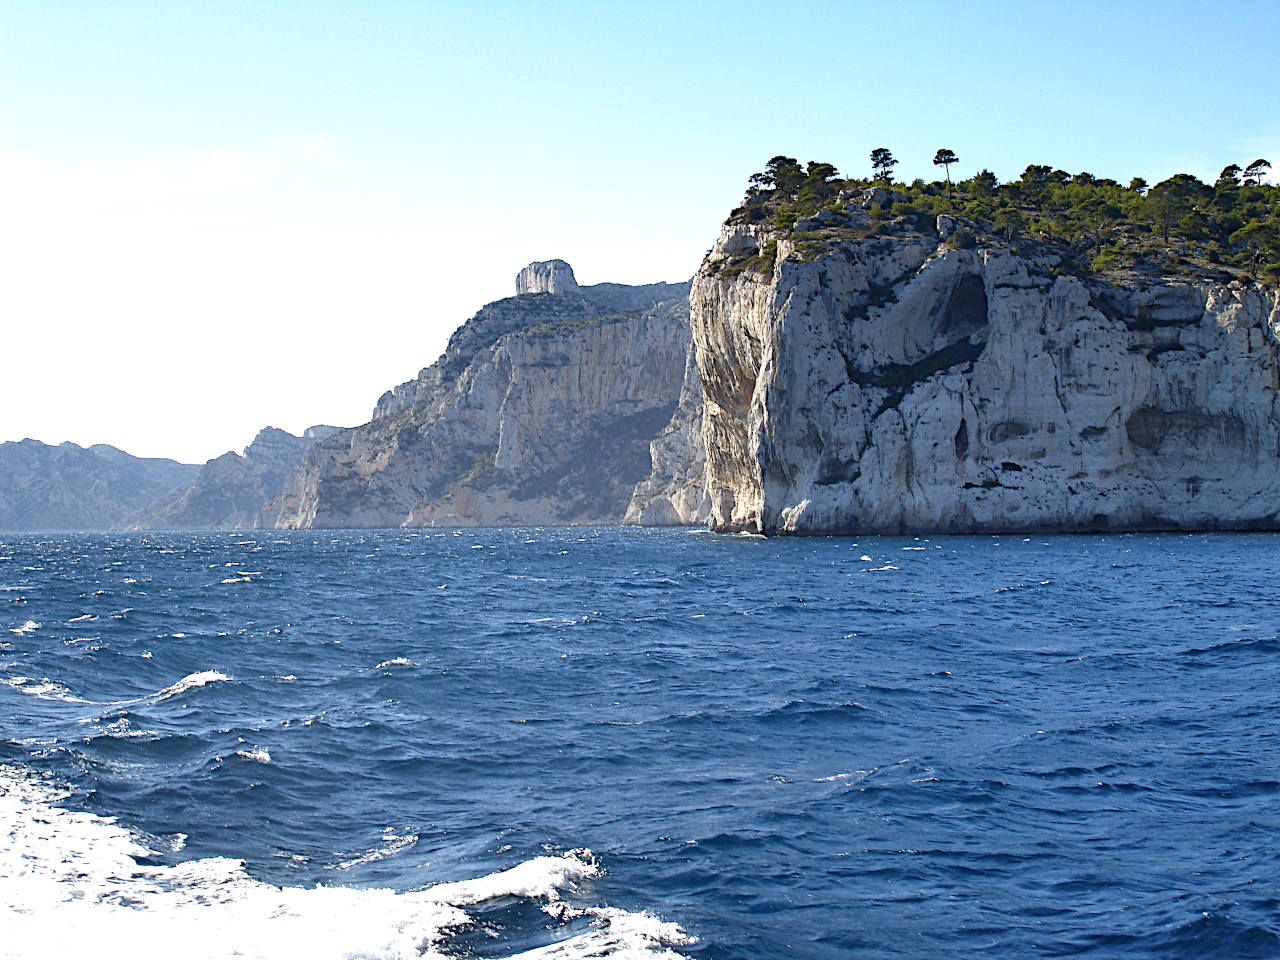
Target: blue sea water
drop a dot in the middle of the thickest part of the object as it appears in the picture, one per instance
(568, 743)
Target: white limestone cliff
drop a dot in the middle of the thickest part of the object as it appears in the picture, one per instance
(893, 384)
(541, 411)
(547, 276)
(674, 494)
(230, 491)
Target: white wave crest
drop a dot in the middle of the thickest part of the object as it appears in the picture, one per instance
(123, 729)
(26, 628)
(617, 934)
(397, 662)
(189, 682)
(541, 877)
(72, 884)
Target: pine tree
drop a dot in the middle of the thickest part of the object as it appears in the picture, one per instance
(882, 163)
(945, 158)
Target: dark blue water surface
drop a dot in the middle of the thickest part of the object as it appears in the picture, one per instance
(792, 748)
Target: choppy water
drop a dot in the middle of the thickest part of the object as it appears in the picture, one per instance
(567, 744)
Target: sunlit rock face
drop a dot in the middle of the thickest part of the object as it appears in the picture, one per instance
(541, 411)
(675, 494)
(548, 276)
(894, 384)
(231, 490)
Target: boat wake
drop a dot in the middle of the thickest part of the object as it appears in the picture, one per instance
(76, 884)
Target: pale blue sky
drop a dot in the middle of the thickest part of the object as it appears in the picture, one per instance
(215, 216)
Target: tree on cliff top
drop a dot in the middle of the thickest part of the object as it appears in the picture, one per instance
(1230, 176)
(781, 174)
(984, 183)
(1167, 202)
(882, 163)
(1254, 173)
(1230, 226)
(784, 178)
(1009, 221)
(945, 158)
(1261, 243)
(819, 182)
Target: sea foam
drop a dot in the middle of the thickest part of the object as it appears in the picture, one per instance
(76, 884)
(43, 688)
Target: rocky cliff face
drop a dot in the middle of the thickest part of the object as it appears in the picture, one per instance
(890, 383)
(556, 276)
(68, 487)
(230, 491)
(674, 493)
(540, 411)
(547, 276)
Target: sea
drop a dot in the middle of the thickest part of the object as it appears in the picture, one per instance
(559, 744)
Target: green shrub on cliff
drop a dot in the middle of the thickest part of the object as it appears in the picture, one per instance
(1180, 225)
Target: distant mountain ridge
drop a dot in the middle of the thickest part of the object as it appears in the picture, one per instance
(68, 487)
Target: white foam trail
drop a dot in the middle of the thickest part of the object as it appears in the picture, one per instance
(47, 689)
(42, 689)
(26, 628)
(71, 885)
(397, 662)
(393, 844)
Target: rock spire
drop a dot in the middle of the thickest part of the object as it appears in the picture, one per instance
(547, 276)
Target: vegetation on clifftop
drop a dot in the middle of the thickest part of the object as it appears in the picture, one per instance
(1179, 227)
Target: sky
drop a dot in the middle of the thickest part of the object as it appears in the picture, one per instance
(219, 216)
